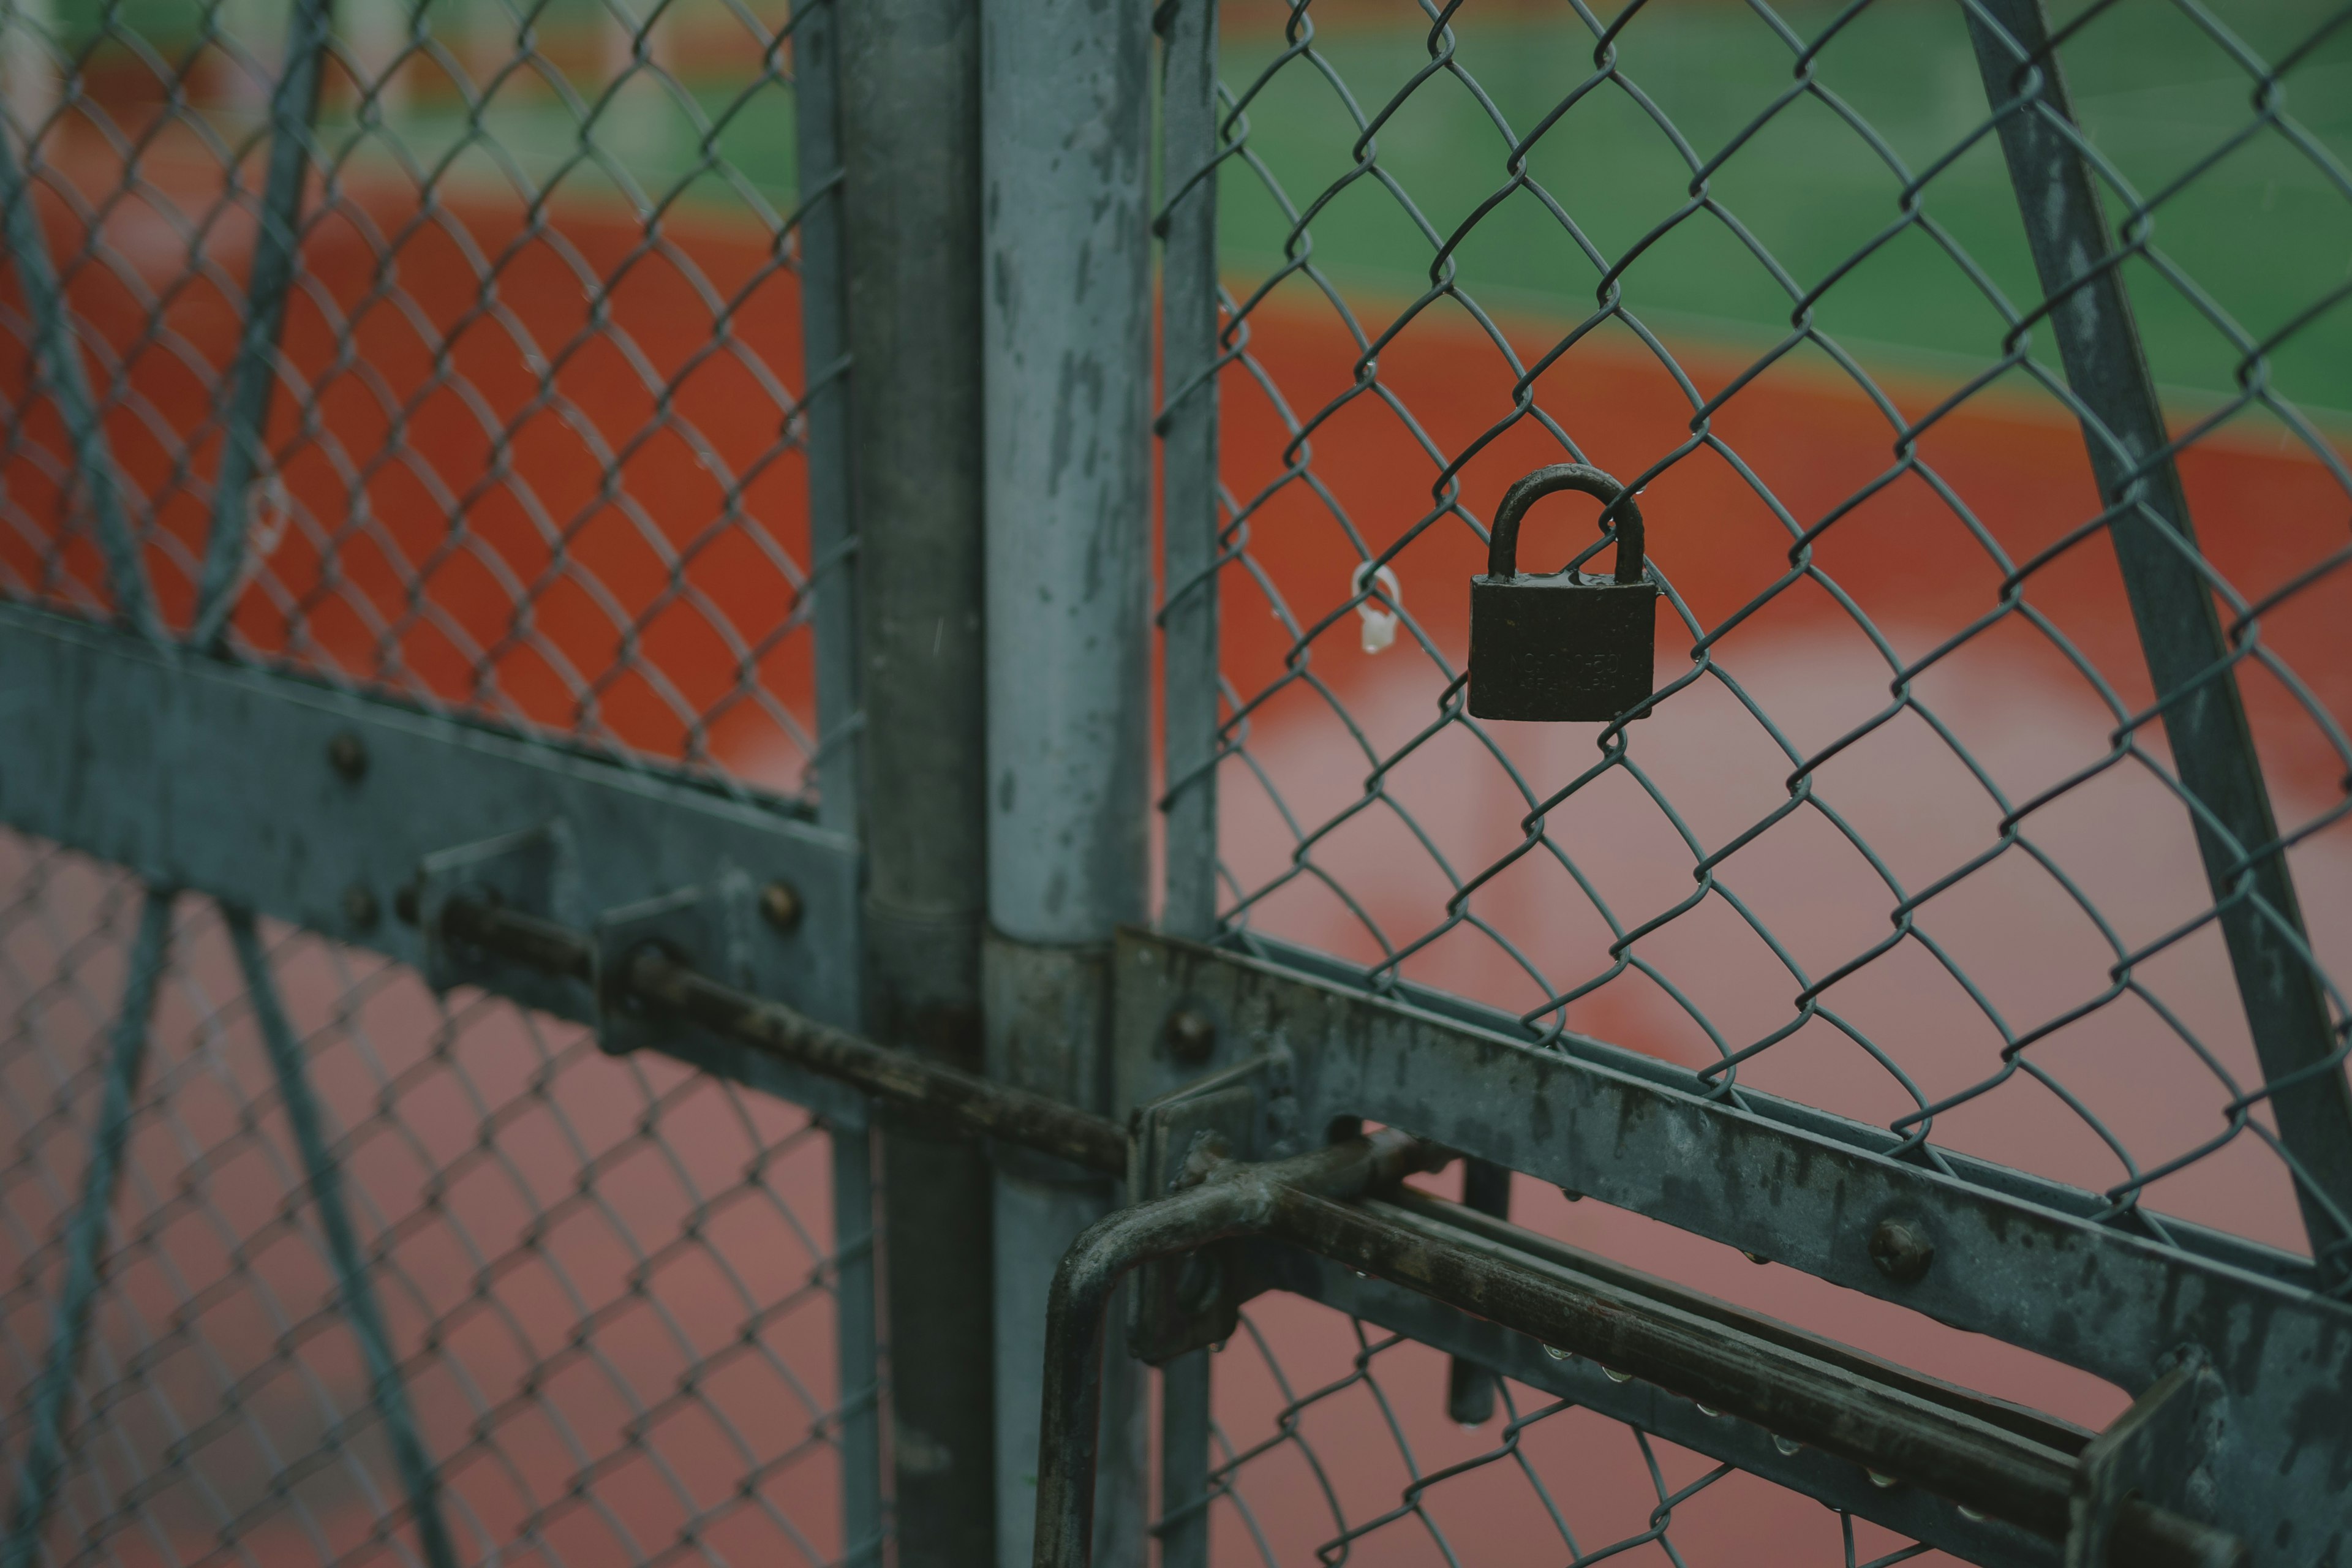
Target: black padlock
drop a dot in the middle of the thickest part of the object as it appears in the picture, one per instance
(1568, 645)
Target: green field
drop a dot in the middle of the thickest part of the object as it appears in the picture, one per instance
(2266, 232)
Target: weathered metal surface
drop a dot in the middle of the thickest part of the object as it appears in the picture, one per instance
(204, 775)
(1808, 1191)
(1233, 1200)
(1836, 1483)
(2159, 1450)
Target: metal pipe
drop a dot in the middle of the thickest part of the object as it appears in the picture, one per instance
(907, 74)
(2090, 315)
(1469, 1387)
(253, 378)
(1187, 425)
(52, 1395)
(1946, 1450)
(856, 1351)
(357, 1292)
(1065, 96)
(2009, 1463)
(1940, 1446)
(1234, 1200)
(946, 1101)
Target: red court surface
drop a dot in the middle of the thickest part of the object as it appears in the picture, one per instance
(525, 410)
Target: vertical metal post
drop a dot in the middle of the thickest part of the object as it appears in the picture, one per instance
(1470, 1387)
(1065, 136)
(126, 1062)
(1188, 627)
(60, 361)
(253, 378)
(2098, 341)
(909, 75)
(856, 1351)
(357, 1293)
(825, 408)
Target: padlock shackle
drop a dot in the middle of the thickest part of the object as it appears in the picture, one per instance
(1502, 545)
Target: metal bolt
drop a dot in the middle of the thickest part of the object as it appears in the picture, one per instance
(779, 905)
(360, 906)
(1902, 1250)
(1192, 1034)
(347, 754)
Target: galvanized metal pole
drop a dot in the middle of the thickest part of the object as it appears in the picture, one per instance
(2190, 663)
(1065, 143)
(1188, 627)
(908, 83)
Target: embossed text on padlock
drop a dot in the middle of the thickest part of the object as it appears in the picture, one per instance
(1569, 645)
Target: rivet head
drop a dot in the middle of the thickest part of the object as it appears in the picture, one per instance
(1192, 1034)
(1902, 1250)
(779, 905)
(360, 906)
(347, 754)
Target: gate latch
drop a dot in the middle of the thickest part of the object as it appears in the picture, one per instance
(1243, 1112)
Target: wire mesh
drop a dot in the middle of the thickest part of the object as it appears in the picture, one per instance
(1902, 834)
(603, 1287)
(463, 364)
(1330, 1447)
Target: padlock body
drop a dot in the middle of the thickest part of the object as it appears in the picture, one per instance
(1562, 648)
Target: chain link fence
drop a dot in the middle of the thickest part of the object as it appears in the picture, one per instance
(1904, 834)
(477, 326)
(389, 1278)
(453, 354)
(464, 355)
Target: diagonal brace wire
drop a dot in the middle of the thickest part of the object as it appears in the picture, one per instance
(86, 1234)
(358, 1295)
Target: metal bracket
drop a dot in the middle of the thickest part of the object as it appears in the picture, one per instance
(311, 805)
(1244, 1112)
(707, 929)
(717, 931)
(535, 872)
(2156, 1451)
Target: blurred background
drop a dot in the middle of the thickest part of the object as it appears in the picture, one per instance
(536, 460)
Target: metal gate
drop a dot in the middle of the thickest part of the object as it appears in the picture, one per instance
(655, 911)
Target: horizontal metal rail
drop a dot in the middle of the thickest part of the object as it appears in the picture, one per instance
(900, 1078)
(1980, 1454)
